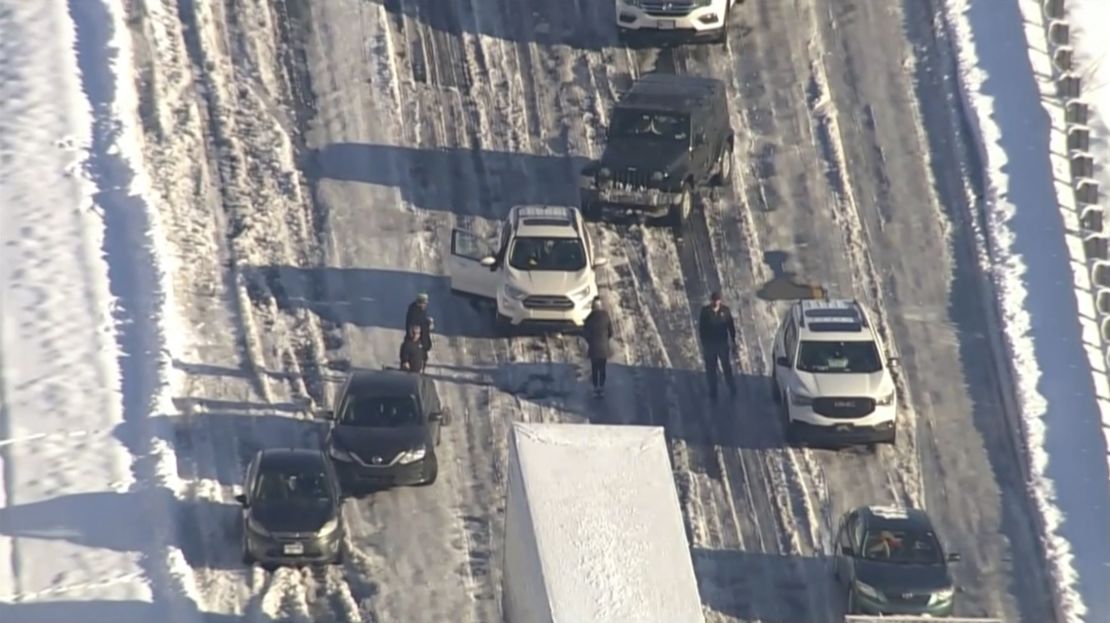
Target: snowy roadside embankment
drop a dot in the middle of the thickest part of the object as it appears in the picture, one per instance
(88, 503)
(1088, 20)
(1036, 256)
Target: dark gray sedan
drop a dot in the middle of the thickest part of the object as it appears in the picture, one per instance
(291, 509)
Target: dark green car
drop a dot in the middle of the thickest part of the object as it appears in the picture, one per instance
(889, 561)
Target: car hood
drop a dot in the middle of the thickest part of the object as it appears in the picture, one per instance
(643, 155)
(847, 385)
(895, 578)
(548, 282)
(293, 516)
(386, 443)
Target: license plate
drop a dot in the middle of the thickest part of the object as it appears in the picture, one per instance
(293, 549)
(665, 24)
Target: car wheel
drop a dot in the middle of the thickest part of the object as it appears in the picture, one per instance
(340, 554)
(776, 391)
(591, 211)
(502, 325)
(680, 212)
(852, 607)
(431, 470)
(724, 167)
(248, 560)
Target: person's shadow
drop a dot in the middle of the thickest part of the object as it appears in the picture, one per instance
(784, 285)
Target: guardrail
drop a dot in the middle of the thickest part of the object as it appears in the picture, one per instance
(911, 619)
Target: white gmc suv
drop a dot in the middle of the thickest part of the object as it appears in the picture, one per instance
(687, 18)
(540, 272)
(832, 376)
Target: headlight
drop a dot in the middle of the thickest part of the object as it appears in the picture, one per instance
(941, 596)
(412, 456)
(582, 293)
(799, 399)
(869, 591)
(257, 528)
(658, 176)
(886, 401)
(514, 293)
(330, 526)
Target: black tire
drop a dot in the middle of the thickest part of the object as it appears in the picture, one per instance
(431, 471)
(723, 177)
(776, 391)
(340, 554)
(680, 212)
(248, 560)
(591, 211)
(502, 326)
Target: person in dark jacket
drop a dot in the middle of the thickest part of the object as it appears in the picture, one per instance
(413, 355)
(417, 314)
(598, 330)
(718, 335)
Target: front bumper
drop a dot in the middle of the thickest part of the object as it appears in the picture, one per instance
(867, 605)
(701, 22)
(275, 548)
(650, 203)
(517, 314)
(353, 475)
(876, 427)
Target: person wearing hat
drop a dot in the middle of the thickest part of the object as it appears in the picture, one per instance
(417, 314)
(597, 331)
(718, 335)
(413, 356)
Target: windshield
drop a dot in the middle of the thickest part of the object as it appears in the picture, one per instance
(649, 124)
(902, 547)
(292, 484)
(381, 412)
(858, 357)
(562, 254)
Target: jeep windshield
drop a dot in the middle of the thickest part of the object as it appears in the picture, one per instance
(381, 412)
(856, 357)
(649, 124)
(556, 254)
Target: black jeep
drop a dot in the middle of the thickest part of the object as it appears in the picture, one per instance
(668, 137)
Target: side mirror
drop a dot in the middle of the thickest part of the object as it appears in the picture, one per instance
(782, 361)
(953, 557)
(845, 550)
(487, 261)
(893, 362)
(601, 261)
(242, 500)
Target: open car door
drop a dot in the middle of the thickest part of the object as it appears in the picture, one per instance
(465, 269)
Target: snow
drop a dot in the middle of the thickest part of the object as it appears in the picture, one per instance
(606, 522)
(1043, 279)
(87, 501)
(1087, 20)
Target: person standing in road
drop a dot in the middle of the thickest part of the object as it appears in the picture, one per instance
(598, 330)
(718, 335)
(417, 314)
(413, 355)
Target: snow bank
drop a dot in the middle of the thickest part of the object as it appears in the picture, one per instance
(593, 522)
(1041, 271)
(88, 498)
(1088, 20)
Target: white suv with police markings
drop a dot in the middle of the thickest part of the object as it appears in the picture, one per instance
(832, 375)
(540, 272)
(688, 18)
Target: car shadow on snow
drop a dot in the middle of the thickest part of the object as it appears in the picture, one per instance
(458, 180)
(217, 446)
(377, 298)
(118, 522)
(675, 399)
(106, 611)
(582, 25)
(773, 588)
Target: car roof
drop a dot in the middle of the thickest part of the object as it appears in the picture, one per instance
(304, 458)
(832, 320)
(384, 383)
(895, 518)
(544, 221)
(671, 92)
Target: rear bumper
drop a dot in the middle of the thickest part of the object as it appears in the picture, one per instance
(843, 433)
(272, 549)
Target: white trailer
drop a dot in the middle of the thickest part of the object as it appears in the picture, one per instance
(910, 618)
(593, 529)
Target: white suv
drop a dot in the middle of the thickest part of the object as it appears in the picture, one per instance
(696, 18)
(540, 272)
(832, 376)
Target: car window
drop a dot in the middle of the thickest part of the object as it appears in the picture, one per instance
(790, 339)
(381, 412)
(902, 546)
(854, 357)
(557, 254)
(649, 124)
(292, 484)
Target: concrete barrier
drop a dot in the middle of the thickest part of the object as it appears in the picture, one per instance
(1068, 85)
(1086, 191)
(1096, 247)
(1092, 219)
(1079, 138)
